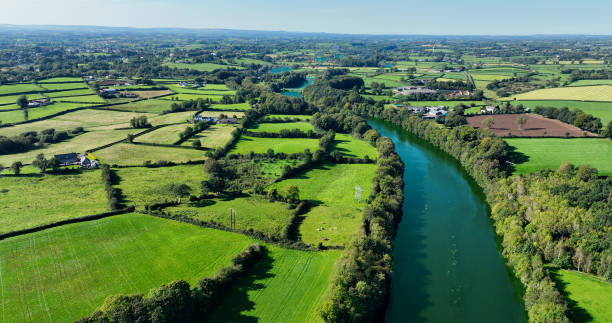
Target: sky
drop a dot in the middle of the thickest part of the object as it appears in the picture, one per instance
(424, 17)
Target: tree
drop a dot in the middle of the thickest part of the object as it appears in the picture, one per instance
(53, 163)
(196, 144)
(488, 122)
(179, 190)
(521, 121)
(16, 167)
(454, 120)
(22, 102)
(292, 194)
(40, 162)
(608, 132)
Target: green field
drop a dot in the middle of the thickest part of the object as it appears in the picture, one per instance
(32, 200)
(591, 82)
(602, 110)
(82, 98)
(89, 119)
(231, 114)
(64, 86)
(353, 147)
(19, 88)
(142, 185)
(590, 298)
(551, 152)
(62, 274)
(289, 288)
(192, 96)
(62, 94)
(201, 67)
(168, 118)
(214, 87)
(286, 145)
(61, 79)
(213, 137)
(151, 106)
(252, 212)
(291, 116)
(130, 154)
(12, 99)
(576, 93)
(78, 144)
(167, 135)
(277, 127)
(40, 112)
(238, 106)
(339, 214)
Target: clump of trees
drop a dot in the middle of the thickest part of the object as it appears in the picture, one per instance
(43, 164)
(112, 194)
(140, 122)
(574, 117)
(32, 140)
(178, 301)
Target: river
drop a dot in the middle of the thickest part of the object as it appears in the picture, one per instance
(446, 264)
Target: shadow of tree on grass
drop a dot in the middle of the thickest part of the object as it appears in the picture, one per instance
(577, 313)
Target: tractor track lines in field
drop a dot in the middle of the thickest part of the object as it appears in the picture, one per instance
(42, 300)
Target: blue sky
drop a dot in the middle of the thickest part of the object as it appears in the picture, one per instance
(492, 17)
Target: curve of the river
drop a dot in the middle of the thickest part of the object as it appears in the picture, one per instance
(446, 264)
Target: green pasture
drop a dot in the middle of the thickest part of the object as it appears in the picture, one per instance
(332, 186)
(247, 144)
(12, 99)
(39, 112)
(277, 127)
(212, 137)
(32, 200)
(237, 106)
(192, 96)
(167, 135)
(68, 93)
(353, 147)
(64, 86)
(576, 93)
(19, 88)
(143, 185)
(290, 116)
(82, 98)
(591, 82)
(589, 297)
(61, 80)
(131, 154)
(65, 273)
(174, 117)
(551, 152)
(252, 212)
(150, 106)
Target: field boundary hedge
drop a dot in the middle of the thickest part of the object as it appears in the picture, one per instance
(67, 221)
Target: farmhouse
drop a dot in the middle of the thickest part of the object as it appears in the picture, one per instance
(39, 102)
(108, 91)
(68, 159)
(205, 119)
(183, 83)
(488, 109)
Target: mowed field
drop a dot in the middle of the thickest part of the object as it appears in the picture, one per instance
(212, 137)
(577, 93)
(536, 126)
(277, 127)
(64, 273)
(352, 147)
(34, 199)
(167, 135)
(131, 154)
(332, 186)
(551, 152)
(247, 144)
(590, 297)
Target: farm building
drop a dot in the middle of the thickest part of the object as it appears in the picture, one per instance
(68, 159)
(205, 119)
(38, 102)
(126, 94)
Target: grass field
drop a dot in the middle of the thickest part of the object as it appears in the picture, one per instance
(261, 145)
(62, 94)
(551, 152)
(64, 86)
(277, 127)
(19, 88)
(291, 116)
(213, 137)
(82, 98)
(201, 67)
(238, 106)
(602, 110)
(130, 154)
(339, 214)
(252, 212)
(40, 112)
(353, 147)
(78, 144)
(590, 82)
(142, 185)
(167, 135)
(12, 99)
(217, 114)
(32, 200)
(87, 118)
(62, 274)
(590, 298)
(168, 118)
(288, 288)
(150, 106)
(61, 79)
(577, 93)
(192, 96)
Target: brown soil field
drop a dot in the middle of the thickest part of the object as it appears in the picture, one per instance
(536, 126)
